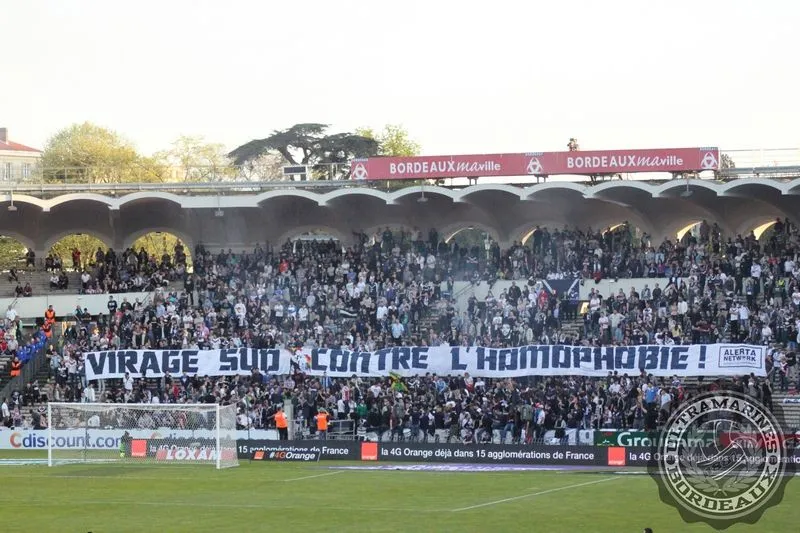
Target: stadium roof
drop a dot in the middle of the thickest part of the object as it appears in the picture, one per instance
(507, 212)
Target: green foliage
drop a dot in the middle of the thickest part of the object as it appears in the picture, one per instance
(156, 244)
(191, 159)
(726, 162)
(393, 141)
(12, 253)
(87, 153)
(86, 244)
(309, 144)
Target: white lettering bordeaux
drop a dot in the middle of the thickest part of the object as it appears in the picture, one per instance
(624, 161)
(451, 167)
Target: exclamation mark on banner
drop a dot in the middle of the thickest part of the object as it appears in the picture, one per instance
(702, 362)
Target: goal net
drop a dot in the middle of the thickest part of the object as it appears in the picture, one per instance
(142, 434)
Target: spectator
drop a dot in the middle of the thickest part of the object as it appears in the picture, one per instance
(379, 292)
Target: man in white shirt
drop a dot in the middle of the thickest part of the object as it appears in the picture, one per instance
(302, 315)
(397, 331)
(5, 413)
(241, 311)
(127, 382)
(744, 316)
(796, 298)
(666, 399)
(88, 394)
(381, 312)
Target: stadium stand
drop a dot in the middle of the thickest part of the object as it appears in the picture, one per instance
(400, 288)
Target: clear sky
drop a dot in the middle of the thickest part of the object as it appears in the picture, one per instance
(462, 76)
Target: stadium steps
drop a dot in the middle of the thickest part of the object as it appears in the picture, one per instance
(5, 363)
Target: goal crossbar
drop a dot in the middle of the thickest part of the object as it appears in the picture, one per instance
(141, 433)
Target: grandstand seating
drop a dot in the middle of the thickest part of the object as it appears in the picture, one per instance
(437, 311)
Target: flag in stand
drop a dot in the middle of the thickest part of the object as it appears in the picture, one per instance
(397, 382)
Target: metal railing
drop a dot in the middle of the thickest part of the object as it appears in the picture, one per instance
(774, 162)
(31, 369)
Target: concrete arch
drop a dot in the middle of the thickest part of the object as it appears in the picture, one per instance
(362, 191)
(763, 228)
(417, 190)
(593, 192)
(25, 241)
(661, 190)
(394, 226)
(76, 197)
(53, 239)
(24, 199)
(450, 230)
(524, 233)
(461, 195)
(752, 223)
(187, 241)
(294, 232)
(284, 193)
(792, 187)
(728, 189)
(689, 213)
(529, 192)
(605, 221)
(133, 197)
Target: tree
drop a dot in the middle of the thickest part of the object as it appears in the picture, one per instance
(192, 159)
(12, 253)
(87, 153)
(154, 243)
(157, 244)
(87, 245)
(266, 167)
(393, 141)
(310, 145)
(726, 162)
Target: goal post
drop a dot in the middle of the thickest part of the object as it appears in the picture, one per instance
(137, 434)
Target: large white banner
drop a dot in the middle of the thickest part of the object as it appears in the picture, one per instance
(536, 360)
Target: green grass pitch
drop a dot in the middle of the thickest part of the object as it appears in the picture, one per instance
(263, 496)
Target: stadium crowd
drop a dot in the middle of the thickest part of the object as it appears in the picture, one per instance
(396, 288)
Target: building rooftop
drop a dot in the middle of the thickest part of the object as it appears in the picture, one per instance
(7, 145)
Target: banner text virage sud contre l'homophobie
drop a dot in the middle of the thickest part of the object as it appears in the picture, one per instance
(534, 360)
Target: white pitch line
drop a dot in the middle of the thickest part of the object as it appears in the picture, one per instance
(532, 494)
(49, 503)
(315, 475)
(110, 478)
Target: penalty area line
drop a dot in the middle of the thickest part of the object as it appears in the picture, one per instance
(532, 494)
